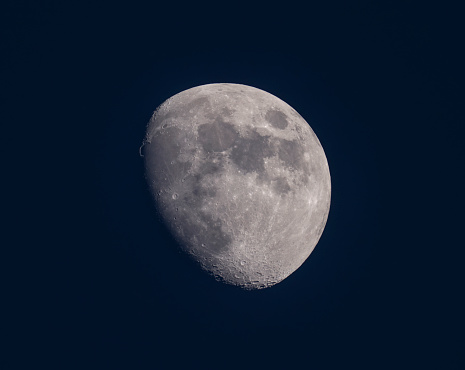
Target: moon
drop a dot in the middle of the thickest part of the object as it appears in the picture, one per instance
(240, 179)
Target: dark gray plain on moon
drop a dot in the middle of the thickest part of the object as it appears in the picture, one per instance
(240, 179)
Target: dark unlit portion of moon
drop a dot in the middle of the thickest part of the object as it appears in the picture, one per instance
(240, 179)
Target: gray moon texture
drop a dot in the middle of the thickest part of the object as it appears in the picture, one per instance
(240, 179)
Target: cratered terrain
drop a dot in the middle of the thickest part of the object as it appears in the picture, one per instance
(240, 179)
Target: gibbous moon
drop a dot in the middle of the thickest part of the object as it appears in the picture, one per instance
(240, 179)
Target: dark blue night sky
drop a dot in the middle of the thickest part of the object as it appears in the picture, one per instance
(99, 283)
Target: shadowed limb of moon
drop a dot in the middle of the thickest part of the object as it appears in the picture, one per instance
(240, 179)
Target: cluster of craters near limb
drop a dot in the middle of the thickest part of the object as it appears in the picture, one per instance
(241, 180)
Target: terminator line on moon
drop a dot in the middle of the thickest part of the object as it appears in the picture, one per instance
(240, 179)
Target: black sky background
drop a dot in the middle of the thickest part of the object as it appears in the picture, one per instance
(95, 282)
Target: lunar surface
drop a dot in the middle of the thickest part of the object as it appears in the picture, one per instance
(240, 179)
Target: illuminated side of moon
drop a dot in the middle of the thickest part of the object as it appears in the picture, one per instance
(240, 179)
